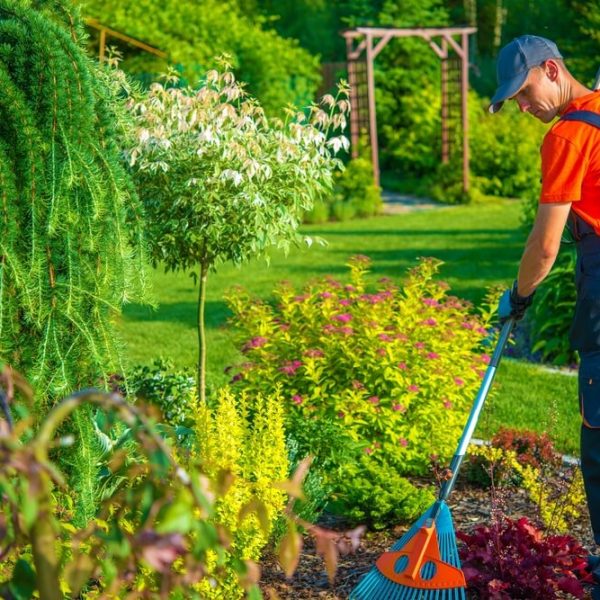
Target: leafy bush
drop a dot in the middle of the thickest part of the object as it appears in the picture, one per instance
(531, 448)
(153, 534)
(551, 314)
(173, 393)
(386, 376)
(513, 560)
(279, 72)
(354, 195)
(488, 465)
(319, 213)
(354, 186)
(373, 491)
(505, 156)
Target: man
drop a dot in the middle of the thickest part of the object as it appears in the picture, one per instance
(532, 73)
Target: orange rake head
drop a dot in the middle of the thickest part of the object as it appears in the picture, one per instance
(423, 565)
(419, 564)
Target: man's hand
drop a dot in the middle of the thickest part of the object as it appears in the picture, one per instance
(512, 305)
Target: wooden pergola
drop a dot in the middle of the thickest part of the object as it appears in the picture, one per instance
(372, 40)
(105, 32)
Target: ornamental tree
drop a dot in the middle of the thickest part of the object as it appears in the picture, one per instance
(220, 181)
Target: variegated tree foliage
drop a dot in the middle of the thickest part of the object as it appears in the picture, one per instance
(221, 182)
(69, 243)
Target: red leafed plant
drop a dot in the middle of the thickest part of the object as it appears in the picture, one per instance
(513, 560)
(532, 448)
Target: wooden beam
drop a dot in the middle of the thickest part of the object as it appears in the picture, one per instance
(457, 48)
(465, 113)
(352, 81)
(422, 31)
(381, 44)
(372, 114)
(94, 23)
(102, 45)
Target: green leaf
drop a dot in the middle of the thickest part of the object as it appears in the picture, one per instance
(22, 584)
(176, 517)
(254, 593)
(29, 509)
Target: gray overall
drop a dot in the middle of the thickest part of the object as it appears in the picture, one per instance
(585, 338)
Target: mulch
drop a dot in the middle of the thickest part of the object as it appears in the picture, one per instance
(469, 506)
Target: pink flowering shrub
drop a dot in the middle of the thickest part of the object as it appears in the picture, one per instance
(384, 375)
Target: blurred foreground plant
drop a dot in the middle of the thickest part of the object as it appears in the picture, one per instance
(155, 536)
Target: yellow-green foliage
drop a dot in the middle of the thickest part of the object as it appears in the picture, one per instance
(242, 438)
(379, 374)
(558, 499)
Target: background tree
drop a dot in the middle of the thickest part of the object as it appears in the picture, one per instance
(220, 182)
(277, 70)
(70, 251)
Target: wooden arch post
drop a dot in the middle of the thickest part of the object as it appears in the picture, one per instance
(372, 40)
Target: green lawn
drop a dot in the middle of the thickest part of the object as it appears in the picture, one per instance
(479, 244)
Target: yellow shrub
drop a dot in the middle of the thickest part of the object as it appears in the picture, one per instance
(558, 499)
(241, 444)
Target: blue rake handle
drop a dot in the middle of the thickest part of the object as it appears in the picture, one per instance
(467, 434)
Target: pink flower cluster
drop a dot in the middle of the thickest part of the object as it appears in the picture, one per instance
(255, 342)
(430, 302)
(314, 353)
(429, 322)
(343, 318)
(291, 367)
(376, 298)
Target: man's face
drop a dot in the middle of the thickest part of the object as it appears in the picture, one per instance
(539, 94)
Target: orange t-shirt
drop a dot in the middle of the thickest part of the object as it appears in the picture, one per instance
(571, 163)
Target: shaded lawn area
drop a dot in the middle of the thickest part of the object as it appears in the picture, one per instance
(479, 244)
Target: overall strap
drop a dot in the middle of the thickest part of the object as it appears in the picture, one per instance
(585, 116)
(578, 227)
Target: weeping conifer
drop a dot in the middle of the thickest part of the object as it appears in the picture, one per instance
(70, 227)
(70, 243)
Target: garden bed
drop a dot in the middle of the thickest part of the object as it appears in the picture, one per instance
(470, 506)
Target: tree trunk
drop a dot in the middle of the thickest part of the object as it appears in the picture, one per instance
(498, 24)
(201, 383)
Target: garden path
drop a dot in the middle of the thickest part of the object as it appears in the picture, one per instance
(396, 203)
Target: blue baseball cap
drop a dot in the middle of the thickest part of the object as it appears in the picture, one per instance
(514, 62)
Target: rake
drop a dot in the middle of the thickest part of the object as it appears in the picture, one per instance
(424, 564)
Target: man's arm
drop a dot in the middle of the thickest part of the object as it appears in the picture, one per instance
(542, 245)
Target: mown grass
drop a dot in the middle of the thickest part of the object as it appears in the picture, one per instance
(479, 244)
